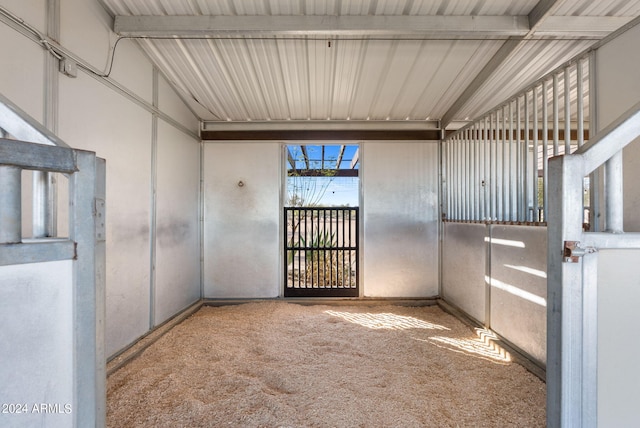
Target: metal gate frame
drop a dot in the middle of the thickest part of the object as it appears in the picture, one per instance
(572, 261)
(332, 251)
(85, 246)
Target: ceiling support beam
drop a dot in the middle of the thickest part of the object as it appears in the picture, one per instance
(301, 25)
(305, 155)
(355, 159)
(487, 71)
(536, 18)
(340, 156)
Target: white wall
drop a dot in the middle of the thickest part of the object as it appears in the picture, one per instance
(242, 223)
(36, 314)
(618, 284)
(400, 219)
(118, 125)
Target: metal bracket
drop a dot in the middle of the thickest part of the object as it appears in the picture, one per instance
(573, 251)
(99, 213)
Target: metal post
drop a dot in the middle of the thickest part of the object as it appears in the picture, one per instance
(44, 205)
(614, 217)
(545, 150)
(580, 103)
(556, 116)
(534, 169)
(567, 111)
(10, 205)
(525, 156)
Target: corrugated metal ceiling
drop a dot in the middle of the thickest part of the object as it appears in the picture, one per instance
(248, 77)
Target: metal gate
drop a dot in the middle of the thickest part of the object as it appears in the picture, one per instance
(321, 252)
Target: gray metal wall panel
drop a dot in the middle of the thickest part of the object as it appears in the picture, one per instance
(120, 132)
(618, 347)
(242, 223)
(177, 242)
(400, 219)
(519, 287)
(619, 90)
(36, 315)
(464, 261)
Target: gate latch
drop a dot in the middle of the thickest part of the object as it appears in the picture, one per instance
(573, 251)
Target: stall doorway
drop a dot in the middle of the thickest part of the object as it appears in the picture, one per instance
(321, 221)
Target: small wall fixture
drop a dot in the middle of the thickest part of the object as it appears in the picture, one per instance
(240, 183)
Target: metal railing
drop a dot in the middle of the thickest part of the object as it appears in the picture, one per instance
(573, 279)
(321, 247)
(495, 169)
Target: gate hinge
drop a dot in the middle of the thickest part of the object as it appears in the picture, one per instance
(573, 251)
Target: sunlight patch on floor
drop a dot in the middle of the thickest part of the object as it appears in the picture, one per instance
(385, 321)
(483, 346)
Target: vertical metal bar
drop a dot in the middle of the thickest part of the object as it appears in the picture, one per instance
(518, 150)
(357, 252)
(471, 171)
(458, 176)
(487, 169)
(82, 230)
(512, 167)
(10, 205)
(153, 202)
(580, 101)
(344, 284)
(476, 174)
(590, 340)
(302, 255)
(493, 138)
(505, 197)
(565, 311)
(556, 116)
(567, 110)
(595, 177)
(614, 201)
(350, 252)
(534, 168)
(526, 214)
(545, 152)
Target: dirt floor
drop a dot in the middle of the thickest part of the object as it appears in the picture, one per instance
(279, 364)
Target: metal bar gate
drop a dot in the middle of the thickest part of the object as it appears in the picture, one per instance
(321, 252)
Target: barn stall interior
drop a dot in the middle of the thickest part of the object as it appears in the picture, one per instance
(144, 160)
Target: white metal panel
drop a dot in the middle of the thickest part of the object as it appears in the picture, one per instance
(519, 287)
(464, 263)
(131, 69)
(400, 219)
(85, 29)
(22, 72)
(177, 228)
(242, 220)
(36, 314)
(92, 117)
(170, 103)
(618, 351)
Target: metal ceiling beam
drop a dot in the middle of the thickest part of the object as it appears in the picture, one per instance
(292, 161)
(487, 71)
(536, 18)
(305, 155)
(435, 27)
(323, 125)
(340, 155)
(238, 26)
(356, 158)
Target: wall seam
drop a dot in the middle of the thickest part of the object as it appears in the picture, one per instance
(154, 204)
